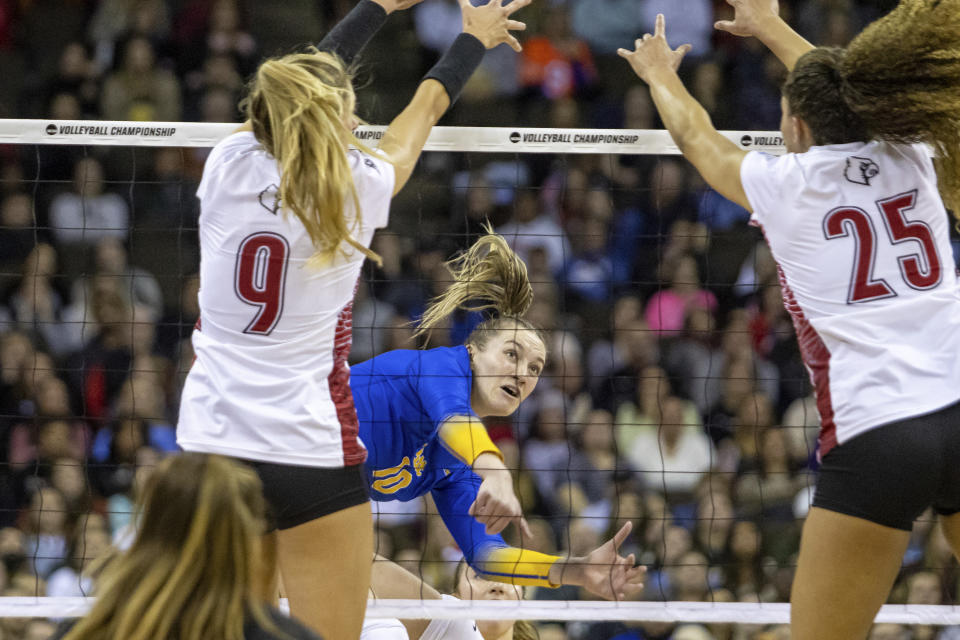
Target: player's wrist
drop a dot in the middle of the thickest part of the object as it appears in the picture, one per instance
(659, 74)
(388, 5)
(768, 27)
(567, 571)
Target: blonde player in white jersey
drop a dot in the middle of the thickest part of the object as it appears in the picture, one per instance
(855, 221)
(287, 214)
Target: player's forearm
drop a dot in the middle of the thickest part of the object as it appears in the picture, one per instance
(521, 567)
(683, 116)
(348, 38)
(783, 41)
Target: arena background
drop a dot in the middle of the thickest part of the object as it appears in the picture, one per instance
(660, 303)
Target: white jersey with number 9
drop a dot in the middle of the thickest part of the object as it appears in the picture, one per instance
(270, 381)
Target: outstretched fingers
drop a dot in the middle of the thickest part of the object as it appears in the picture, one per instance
(621, 535)
(516, 5)
(661, 29)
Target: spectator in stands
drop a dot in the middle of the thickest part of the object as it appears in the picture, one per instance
(77, 75)
(115, 19)
(672, 455)
(121, 505)
(226, 36)
(644, 411)
(556, 64)
(587, 275)
(666, 311)
(36, 306)
(111, 264)
(641, 350)
(46, 529)
(531, 227)
(767, 493)
(607, 354)
(18, 233)
(596, 462)
(96, 372)
(139, 89)
(89, 542)
(88, 212)
(744, 568)
(689, 580)
(714, 524)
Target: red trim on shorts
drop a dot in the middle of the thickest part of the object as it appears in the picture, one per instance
(340, 393)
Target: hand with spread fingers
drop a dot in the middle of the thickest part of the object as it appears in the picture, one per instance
(652, 52)
(749, 16)
(603, 571)
(491, 23)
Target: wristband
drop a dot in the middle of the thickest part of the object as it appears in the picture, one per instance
(351, 34)
(456, 66)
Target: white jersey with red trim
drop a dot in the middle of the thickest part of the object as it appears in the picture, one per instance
(861, 238)
(271, 381)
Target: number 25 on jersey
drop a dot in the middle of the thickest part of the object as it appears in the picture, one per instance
(260, 278)
(919, 270)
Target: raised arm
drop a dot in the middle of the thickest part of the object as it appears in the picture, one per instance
(761, 19)
(348, 38)
(483, 28)
(716, 158)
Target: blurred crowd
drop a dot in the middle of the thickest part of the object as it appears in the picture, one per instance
(674, 396)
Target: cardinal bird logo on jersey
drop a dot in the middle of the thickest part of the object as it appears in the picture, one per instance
(269, 199)
(861, 170)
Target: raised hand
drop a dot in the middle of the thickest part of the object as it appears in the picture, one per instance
(608, 574)
(491, 23)
(748, 17)
(653, 52)
(497, 505)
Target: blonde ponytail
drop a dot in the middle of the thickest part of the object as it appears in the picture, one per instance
(488, 275)
(297, 105)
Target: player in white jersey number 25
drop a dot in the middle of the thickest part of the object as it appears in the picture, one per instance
(854, 218)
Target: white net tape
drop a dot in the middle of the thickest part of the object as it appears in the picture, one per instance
(704, 612)
(469, 139)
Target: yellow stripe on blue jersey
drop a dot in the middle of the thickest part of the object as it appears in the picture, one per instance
(521, 567)
(466, 438)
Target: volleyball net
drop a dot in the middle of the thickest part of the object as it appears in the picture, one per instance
(673, 397)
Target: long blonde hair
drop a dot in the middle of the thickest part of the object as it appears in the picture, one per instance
(488, 275)
(195, 569)
(296, 105)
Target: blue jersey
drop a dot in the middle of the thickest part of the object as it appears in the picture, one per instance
(402, 397)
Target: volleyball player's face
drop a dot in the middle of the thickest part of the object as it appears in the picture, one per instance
(473, 587)
(505, 371)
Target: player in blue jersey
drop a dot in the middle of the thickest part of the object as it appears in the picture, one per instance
(420, 417)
